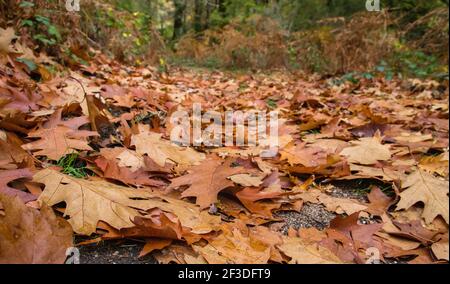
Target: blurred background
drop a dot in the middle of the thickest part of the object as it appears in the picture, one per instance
(407, 38)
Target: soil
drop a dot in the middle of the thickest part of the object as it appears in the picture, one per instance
(113, 252)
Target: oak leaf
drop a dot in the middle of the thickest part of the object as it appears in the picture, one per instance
(302, 253)
(334, 204)
(11, 155)
(154, 244)
(235, 245)
(247, 179)
(6, 37)
(28, 236)
(423, 187)
(59, 141)
(112, 170)
(440, 249)
(207, 180)
(304, 155)
(8, 176)
(367, 151)
(89, 202)
(435, 164)
(161, 151)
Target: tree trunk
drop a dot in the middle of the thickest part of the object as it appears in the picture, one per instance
(198, 12)
(178, 18)
(222, 8)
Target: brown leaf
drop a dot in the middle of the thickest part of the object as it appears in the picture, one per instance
(154, 244)
(157, 224)
(415, 231)
(440, 249)
(28, 236)
(89, 202)
(59, 141)
(111, 170)
(235, 245)
(334, 204)
(6, 37)
(423, 187)
(302, 253)
(305, 155)
(8, 176)
(207, 180)
(379, 202)
(11, 155)
(160, 150)
(367, 151)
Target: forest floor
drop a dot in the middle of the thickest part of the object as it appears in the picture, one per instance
(127, 251)
(359, 165)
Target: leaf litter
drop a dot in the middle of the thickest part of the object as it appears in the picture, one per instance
(88, 154)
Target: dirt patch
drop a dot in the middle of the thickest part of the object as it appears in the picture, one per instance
(114, 252)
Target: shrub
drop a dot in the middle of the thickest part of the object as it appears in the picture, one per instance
(257, 43)
(357, 45)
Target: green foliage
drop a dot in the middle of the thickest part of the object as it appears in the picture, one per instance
(72, 166)
(26, 4)
(411, 63)
(43, 30)
(271, 103)
(29, 63)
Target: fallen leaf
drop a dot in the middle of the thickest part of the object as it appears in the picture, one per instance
(28, 236)
(6, 37)
(154, 244)
(309, 156)
(301, 253)
(160, 150)
(423, 187)
(58, 142)
(435, 164)
(247, 179)
(206, 180)
(440, 249)
(235, 245)
(89, 202)
(333, 204)
(378, 202)
(367, 151)
(8, 176)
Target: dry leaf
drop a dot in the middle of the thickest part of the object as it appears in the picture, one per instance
(58, 142)
(423, 187)
(334, 204)
(28, 236)
(6, 37)
(367, 151)
(154, 244)
(247, 179)
(89, 202)
(301, 253)
(160, 150)
(8, 176)
(207, 180)
(235, 245)
(440, 249)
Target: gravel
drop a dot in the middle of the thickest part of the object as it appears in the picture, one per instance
(311, 215)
